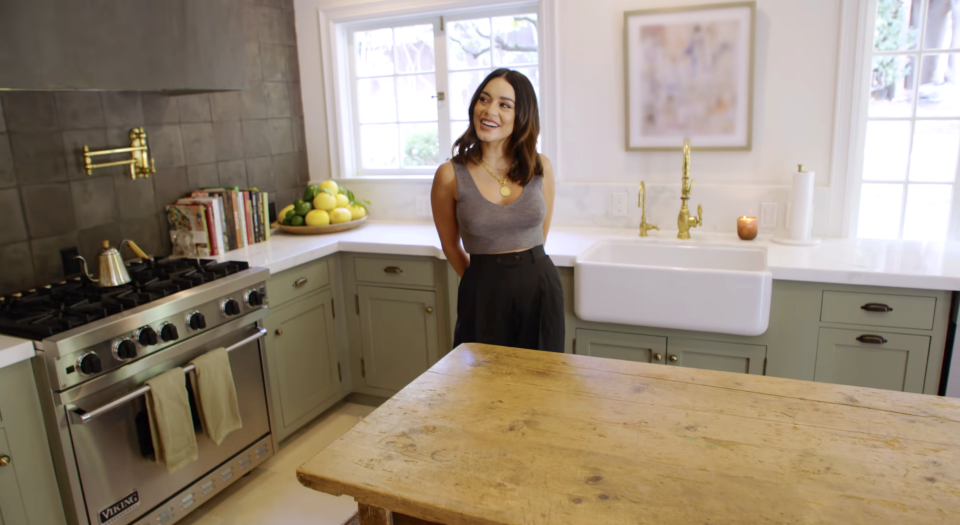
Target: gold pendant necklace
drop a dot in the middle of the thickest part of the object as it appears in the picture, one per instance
(504, 190)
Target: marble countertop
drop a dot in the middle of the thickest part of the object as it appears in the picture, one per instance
(898, 264)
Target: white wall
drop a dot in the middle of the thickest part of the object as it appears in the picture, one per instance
(795, 83)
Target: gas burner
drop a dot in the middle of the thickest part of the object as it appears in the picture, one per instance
(54, 308)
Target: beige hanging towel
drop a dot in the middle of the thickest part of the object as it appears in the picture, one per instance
(171, 423)
(216, 395)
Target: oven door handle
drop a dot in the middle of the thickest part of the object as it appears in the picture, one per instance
(80, 417)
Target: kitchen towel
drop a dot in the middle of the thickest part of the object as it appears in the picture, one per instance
(216, 395)
(171, 423)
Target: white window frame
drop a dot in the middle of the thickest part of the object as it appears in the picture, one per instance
(858, 19)
(322, 39)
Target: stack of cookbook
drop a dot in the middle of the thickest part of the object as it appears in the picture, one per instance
(213, 221)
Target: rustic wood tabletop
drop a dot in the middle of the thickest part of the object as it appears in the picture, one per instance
(494, 435)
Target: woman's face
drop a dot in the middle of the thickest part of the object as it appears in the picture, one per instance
(495, 111)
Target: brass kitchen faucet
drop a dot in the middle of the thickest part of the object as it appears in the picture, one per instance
(685, 221)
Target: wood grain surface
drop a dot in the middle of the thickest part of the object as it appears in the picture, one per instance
(493, 435)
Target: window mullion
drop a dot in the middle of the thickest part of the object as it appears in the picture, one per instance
(442, 83)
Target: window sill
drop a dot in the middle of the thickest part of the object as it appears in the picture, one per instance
(385, 178)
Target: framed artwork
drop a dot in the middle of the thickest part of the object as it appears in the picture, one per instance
(689, 75)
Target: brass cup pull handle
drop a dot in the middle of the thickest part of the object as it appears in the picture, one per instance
(393, 269)
(673, 358)
(300, 282)
(876, 307)
(4, 460)
(658, 357)
(872, 339)
(278, 331)
(429, 310)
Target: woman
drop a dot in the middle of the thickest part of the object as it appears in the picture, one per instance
(497, 196)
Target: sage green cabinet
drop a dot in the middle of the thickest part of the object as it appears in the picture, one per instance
(872, 359)
(674, 351)
(302, 360)
(399, 335)
(29, 494)
(628, 347)
(11, 502)
(715, 355)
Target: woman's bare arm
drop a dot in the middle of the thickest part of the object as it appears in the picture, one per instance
(443, 197)
(549, 190)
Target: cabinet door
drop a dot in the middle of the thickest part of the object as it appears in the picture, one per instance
(714, 355)
(898, 362)
(399, 335)
(628, 347)
(301, 347)
(11, 504)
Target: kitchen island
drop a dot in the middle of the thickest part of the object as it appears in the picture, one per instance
(493, 435)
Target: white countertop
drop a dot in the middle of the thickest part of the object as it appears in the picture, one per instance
(898, 264)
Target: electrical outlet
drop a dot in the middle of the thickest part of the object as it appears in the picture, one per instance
(768, 215)
(423, 206)
(619, 204)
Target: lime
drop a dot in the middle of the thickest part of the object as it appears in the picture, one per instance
(311, 192)
(296, 220)
(302, 208)
(283, 213)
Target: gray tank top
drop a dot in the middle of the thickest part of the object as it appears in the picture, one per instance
(486, 227)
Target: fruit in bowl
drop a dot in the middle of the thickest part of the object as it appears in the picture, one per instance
(324, 204)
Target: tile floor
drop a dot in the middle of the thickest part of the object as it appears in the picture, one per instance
(271, 494)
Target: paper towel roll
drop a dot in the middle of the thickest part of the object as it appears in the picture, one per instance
(801, 209)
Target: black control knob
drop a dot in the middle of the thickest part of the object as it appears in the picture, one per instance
(254, 298)
(197, 321)
(168, 332)
(127, 349)
(90, 364)
(147, 336)
(231, 307)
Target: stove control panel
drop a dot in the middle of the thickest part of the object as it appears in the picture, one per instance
(156, 336)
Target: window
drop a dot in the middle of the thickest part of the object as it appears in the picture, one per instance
(912, 135)
(411, 82)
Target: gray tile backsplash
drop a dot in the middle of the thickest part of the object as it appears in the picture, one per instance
(247, 138)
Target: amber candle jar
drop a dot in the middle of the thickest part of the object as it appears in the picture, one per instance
(747, 228)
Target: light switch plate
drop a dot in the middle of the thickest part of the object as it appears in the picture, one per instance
(423, 206)
(768, 215)
(619, 204)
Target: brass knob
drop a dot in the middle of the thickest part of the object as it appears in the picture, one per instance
(4, 460)
(300, 282)
(657, 357)
(279, 331)
(429, 310)
(673, 359)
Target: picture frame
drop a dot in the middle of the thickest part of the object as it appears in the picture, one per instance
(688, 75)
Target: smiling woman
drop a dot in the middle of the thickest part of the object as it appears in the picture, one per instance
(497, 196)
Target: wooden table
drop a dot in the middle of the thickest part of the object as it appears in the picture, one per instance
(494, 435)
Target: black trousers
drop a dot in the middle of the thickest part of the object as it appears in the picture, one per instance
(511, 299)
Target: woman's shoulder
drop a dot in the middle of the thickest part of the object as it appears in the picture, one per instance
(547, 167)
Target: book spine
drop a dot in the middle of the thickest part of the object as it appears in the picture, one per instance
(249, 216)
(212, 229)
(257, 227)
(232, 197)
(266, 215)
(221, 225)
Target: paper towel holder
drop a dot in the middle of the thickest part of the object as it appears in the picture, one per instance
(803, 188)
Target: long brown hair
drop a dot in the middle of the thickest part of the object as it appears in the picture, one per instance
(526, 129)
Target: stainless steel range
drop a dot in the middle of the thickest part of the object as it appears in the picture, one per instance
(97, 347)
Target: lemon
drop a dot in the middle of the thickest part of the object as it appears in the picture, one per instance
(340, 215)
(330, 185)
(317, 218)
(357, 211)
(324, 201)
(283, 213)
(342, 201)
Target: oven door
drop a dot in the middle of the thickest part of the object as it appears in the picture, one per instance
(113, 450)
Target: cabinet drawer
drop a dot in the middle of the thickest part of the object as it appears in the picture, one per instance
(872, 359)
(298, 282)
(393, 271)
(905, 311)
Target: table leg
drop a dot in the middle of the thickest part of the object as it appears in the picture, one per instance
(370, 515)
